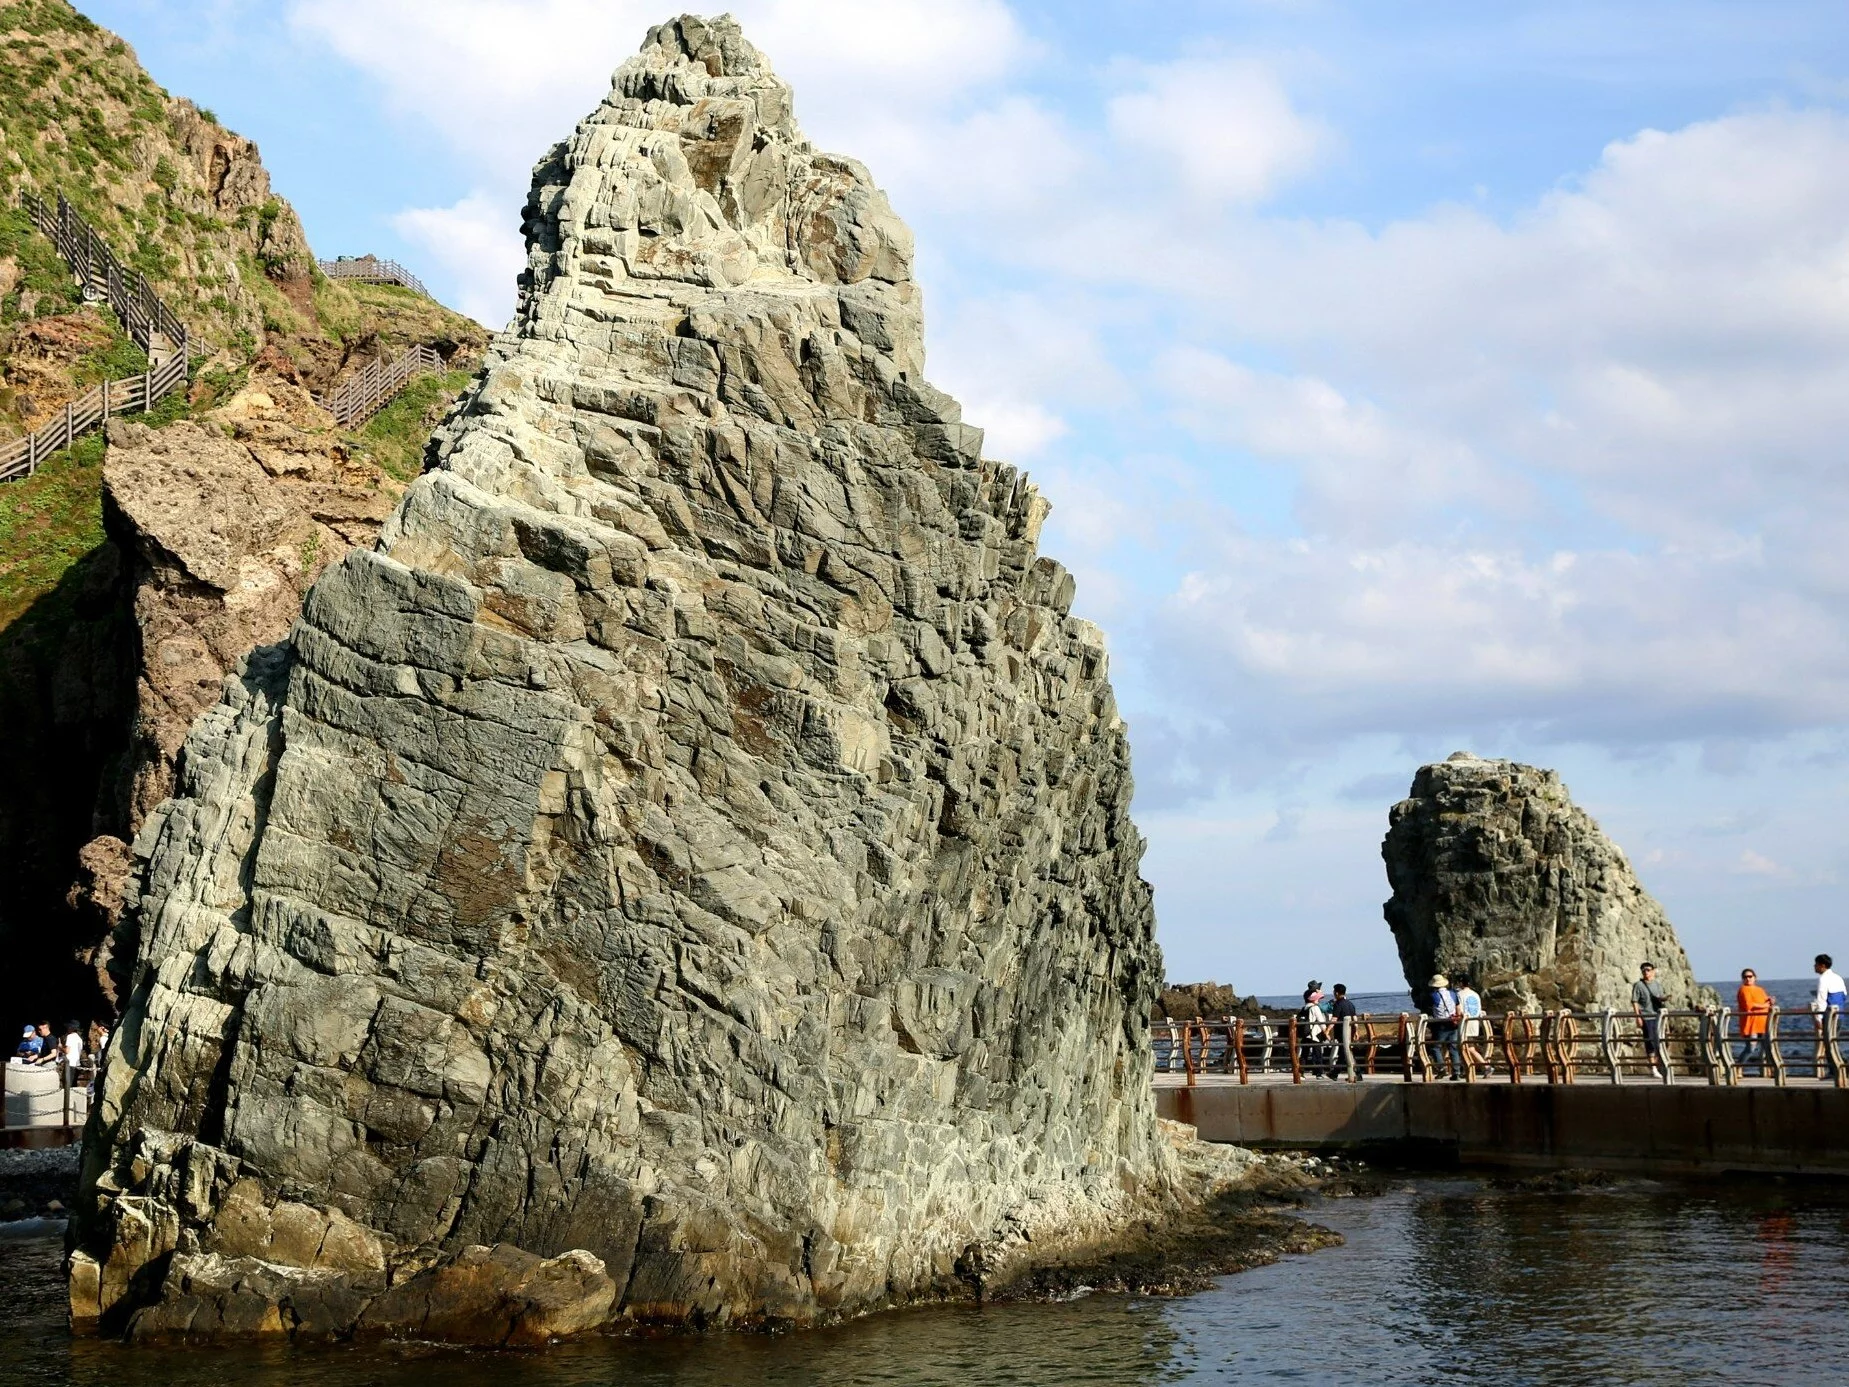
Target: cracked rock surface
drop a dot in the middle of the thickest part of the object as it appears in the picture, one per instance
(684, 874)
(1497, 874)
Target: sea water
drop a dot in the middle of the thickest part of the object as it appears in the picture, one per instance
(1450, 1280)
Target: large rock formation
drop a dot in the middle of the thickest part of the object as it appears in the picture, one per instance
(1497, 874)
(685, 874)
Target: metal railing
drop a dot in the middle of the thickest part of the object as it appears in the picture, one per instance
(369, 269)
(1555, 1047)
(368, 390)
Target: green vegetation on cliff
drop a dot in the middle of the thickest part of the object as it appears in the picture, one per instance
(188, 203)
(48, 522)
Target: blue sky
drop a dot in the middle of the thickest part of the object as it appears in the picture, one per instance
(1405, 377)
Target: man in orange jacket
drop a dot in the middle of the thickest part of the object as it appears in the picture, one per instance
(1753, 1004)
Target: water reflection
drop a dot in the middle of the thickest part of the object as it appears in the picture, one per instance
(1449, 1282)
(1457, 1283)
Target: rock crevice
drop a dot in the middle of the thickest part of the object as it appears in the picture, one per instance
(685, 873)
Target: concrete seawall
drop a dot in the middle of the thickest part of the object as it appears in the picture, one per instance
(1709, 1130)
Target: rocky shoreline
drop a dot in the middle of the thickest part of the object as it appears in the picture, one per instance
(1252, 1217)
(38, 1184)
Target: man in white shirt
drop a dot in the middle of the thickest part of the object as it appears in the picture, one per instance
(1831, 994)
(1830, 997)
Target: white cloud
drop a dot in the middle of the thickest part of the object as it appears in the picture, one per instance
(1223, 127)
(478, 241)
(500, 81)
(1576, 469)
(1750, 863)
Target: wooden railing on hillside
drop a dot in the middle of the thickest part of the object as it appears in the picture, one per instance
(369, 269)
(363, 394)
(20, 457)
(156, 328)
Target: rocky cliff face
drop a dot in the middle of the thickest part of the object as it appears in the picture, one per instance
(685, 874)
(1498, 875)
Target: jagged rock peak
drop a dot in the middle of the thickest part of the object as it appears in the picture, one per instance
(685, 874)
(693, 169)
(1498, 875)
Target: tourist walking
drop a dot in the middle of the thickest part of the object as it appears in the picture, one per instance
(1341, 1013)
(48, 1045)
(1753, 1005)
(70, 1049)
(29, 1046)
(1471, 1026)
(1649, 1001)
(1831, 996)
(1444, 1047)
(1313, 1030)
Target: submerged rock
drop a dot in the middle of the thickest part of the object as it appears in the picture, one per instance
(690, 859)
(1497, 874)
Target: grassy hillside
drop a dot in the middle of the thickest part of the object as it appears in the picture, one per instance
(189, 203)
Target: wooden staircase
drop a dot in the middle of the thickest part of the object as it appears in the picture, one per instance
(154, 327)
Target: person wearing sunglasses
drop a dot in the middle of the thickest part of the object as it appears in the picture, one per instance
(1753, 1005)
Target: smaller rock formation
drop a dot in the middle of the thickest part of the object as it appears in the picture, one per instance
(1498, 875)
(1195, 1001)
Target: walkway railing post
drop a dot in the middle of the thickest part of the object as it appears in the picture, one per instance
(1775, 1047)
(1296, 1054)
(1187, 1050)
(1606, 1022)
(1831, 1028)
(1239, 1050)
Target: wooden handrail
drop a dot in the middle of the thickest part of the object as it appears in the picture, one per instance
(143, 316)
(368, 390)
(21, 457)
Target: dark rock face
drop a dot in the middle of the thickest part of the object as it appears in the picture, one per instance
(1194, 1001)
(685, 873)
(1498, 875)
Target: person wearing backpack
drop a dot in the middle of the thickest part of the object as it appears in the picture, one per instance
(1313, 1030)
(1444, 1047)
